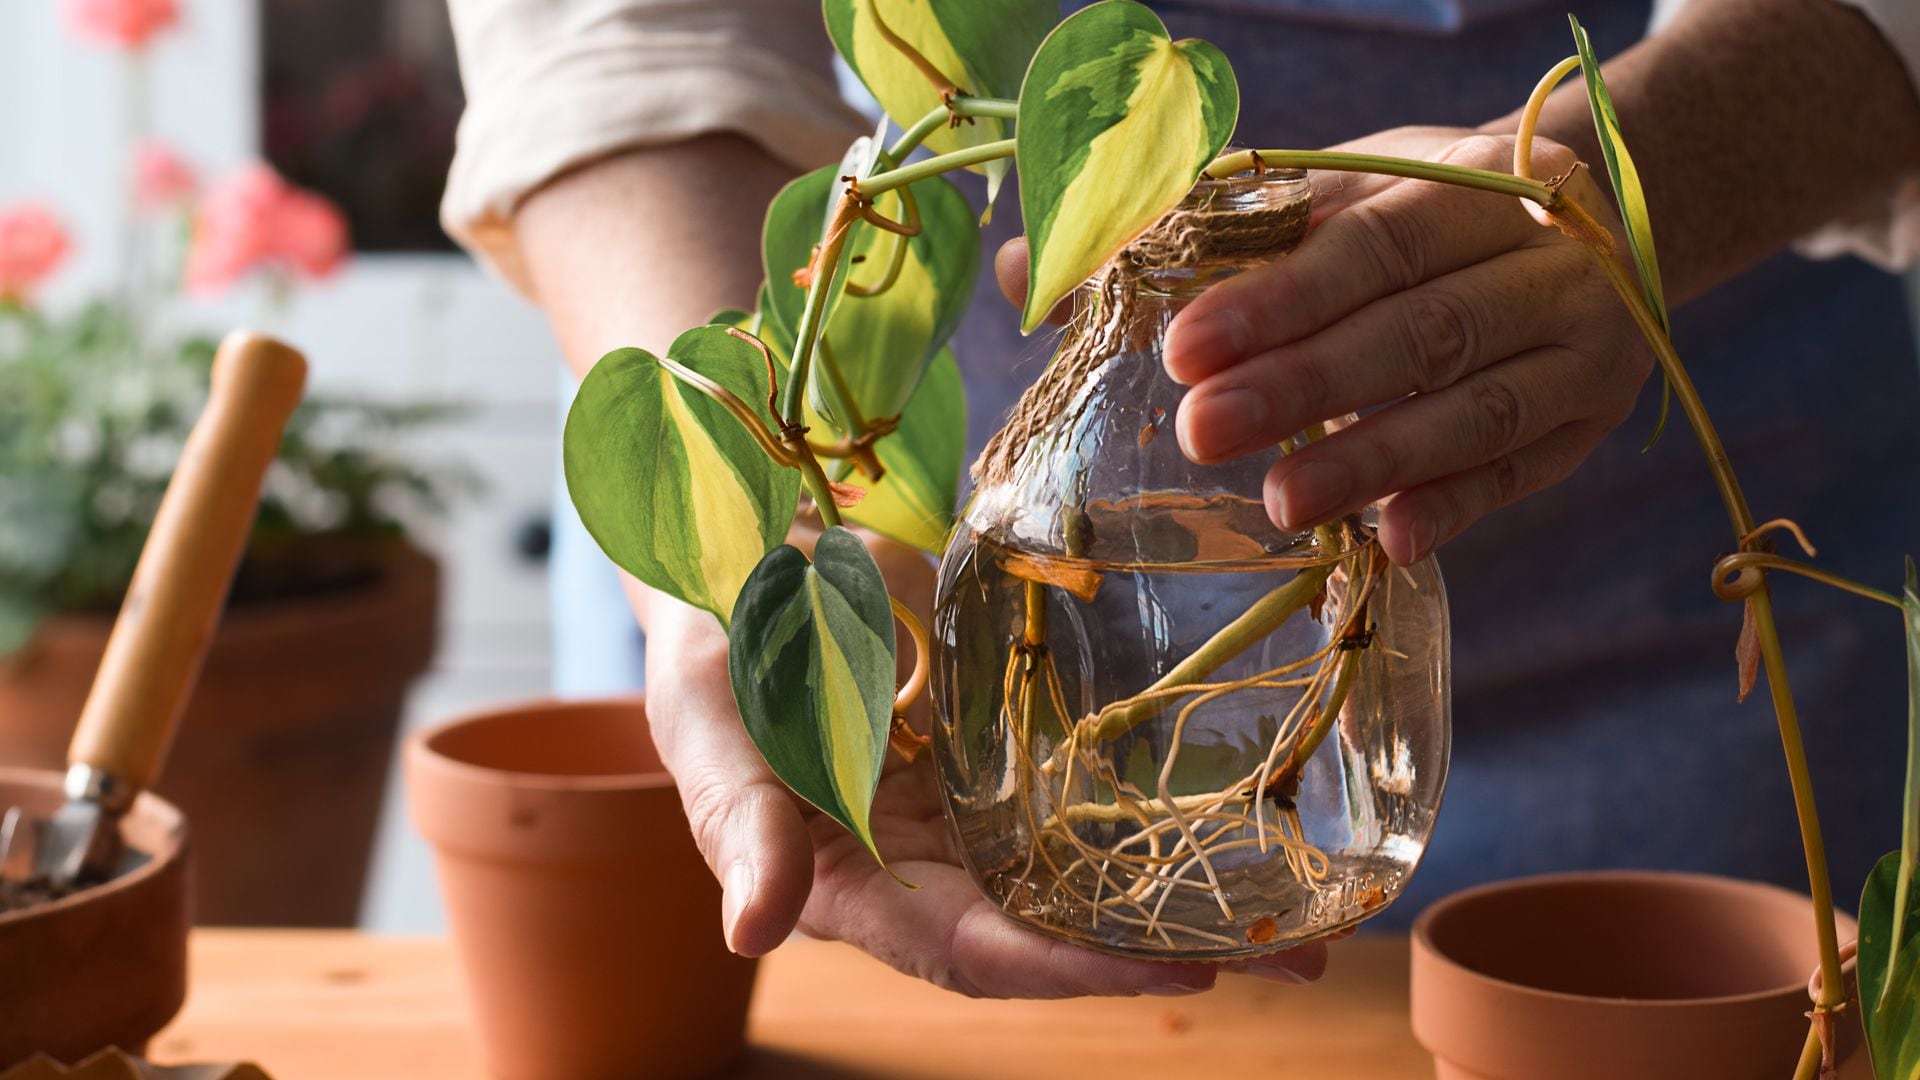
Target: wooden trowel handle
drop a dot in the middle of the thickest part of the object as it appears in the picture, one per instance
(180, 583)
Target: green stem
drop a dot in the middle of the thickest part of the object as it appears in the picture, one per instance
(1820, 887)
(1483, 179)
(992, 108)
(1263, 618)
(881, 183)
(816, 481)
(826, 263)
(941, 115)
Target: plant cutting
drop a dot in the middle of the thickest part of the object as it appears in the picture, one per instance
(688, 467)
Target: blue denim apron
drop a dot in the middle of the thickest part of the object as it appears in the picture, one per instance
(1595, 722)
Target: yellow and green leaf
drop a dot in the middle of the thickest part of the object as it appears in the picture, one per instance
(1890, 905)
(914, 501)
(1117, 120)
(811, 655)
(982, 45)
(1629, 195)
(878, 346)
(669, 483)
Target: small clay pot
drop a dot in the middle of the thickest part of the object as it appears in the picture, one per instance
(1599, 976)
(104, 967)
(284, 749)
(586, 921)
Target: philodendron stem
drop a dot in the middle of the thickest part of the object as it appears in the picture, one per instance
(1483, 179)
(881, 183)
(941, 115)
(826, 263)
(1265, 616)
(1832, 985)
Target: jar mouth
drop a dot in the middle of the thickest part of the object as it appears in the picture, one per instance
(1254, 179)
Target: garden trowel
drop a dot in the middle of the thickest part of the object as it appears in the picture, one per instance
(171, 608)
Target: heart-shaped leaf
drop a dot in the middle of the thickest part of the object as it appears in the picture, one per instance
(811, 654)
(983, 45)
(1117, 120)
(878, 346)
(669, 483)
(913, 503)
(1629, 195)
(1890, 905)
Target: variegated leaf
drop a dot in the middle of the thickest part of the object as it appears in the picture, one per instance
(878, 346)
(811, 654)
(1631, 197)
(670, 485)
(914, 502)
(1890, 905)
(983, 45)
(1117, 120)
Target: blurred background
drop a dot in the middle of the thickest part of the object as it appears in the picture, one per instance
(136, 219)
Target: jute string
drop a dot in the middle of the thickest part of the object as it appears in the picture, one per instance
(1193, 235)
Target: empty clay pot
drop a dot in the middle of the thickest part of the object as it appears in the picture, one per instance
(1598, 976)
(585, 919)
(103, 967)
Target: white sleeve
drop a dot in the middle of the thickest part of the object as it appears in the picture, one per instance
(1883, 227)
(554, 84)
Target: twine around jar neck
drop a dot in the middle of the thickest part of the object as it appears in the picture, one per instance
(1219, 229)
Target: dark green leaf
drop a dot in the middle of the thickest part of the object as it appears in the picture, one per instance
(811, 654)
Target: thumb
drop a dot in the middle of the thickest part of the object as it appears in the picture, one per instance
(1010, 269)
(746, 824)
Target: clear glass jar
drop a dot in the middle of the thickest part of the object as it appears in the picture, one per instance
(1165, 727)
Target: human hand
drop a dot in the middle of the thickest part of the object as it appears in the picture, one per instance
(784, 864)
(1494, 350)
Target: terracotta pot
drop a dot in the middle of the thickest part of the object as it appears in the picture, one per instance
(285, 745)
(103, 967)
(1598, 976)
(585, 919)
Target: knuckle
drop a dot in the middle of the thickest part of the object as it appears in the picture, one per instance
(1384, 458)
(1478, 149)
(1309, 389)
(1506, 480)
(1392, 243)
(1442, 333)
(1497, 414)
(711, 805)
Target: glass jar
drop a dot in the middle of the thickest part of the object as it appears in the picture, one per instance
(1166, 727)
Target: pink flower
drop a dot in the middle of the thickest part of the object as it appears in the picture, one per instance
(128, 24)
(253, 219)
(161, 178)
(32, 245)
(311, 234)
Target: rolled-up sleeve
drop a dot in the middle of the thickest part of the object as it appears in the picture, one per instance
(1883, 227)
(554, 84)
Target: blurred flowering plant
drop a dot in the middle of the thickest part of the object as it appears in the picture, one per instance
(94, 410)
(125, 24)
(94, 405)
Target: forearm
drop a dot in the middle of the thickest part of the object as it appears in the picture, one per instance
(1752, 122)
(634, 249)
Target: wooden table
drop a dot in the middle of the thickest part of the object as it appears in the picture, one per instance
(332, 1005)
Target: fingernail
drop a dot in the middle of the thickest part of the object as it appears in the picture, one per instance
(1313, 492)
(1208, 344)
(736, 895)
(1217, 424)
(1296, 966)
(1425, 535)
(1174, 990)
